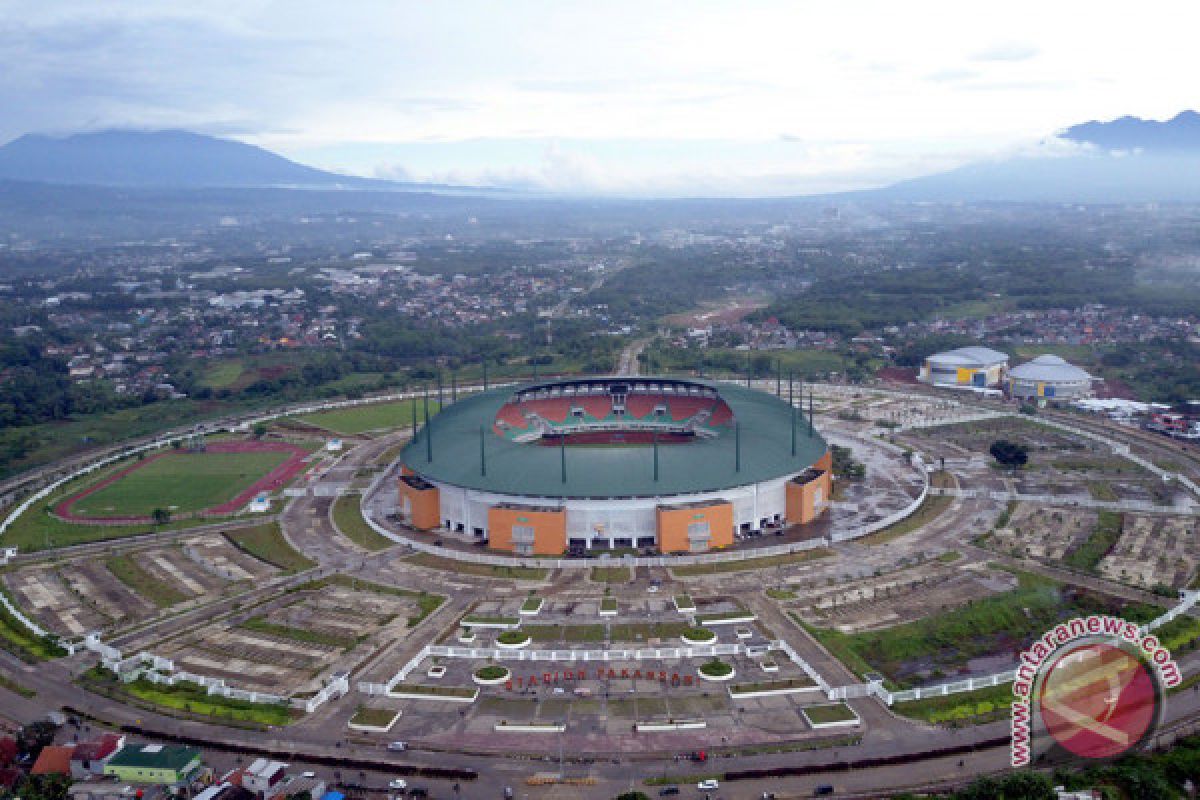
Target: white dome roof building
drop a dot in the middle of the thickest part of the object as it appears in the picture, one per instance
(1049, 377)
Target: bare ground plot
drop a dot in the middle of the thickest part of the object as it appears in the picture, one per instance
(42, 593)
(1060, 464)
(1044, 532)
(216, 555)
(289, 645)
(898, 597)
(1154, 550)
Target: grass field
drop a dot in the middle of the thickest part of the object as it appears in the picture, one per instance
(641, 631)
(18, 640)
(981, 705)
(181, 482)
(565, 633)
(192, 698)
(347, 516)
(1102, 538)
(377, 416)
(834, 712)
(266, 543)
(221, 374)
(985, 626)
(129, 572)
(611, 574)
(763, 562)
(484, 570)
(376, 717)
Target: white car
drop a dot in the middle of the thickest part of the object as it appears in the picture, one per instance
(309, 774)
(653, 588)
(709, 785)
(398, 783)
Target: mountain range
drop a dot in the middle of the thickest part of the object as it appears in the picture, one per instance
(1120, 161)
(175, 159)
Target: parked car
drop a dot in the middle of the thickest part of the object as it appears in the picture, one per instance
(668, 791)
(397, 747)
(824, 790)
(708, 785)
(418, 791)
(398, 783)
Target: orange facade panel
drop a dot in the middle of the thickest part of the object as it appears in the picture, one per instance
(807, 495)
(420, 502)
(527, 530)
(695, 528)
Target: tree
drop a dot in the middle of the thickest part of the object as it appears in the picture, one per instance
(34, 736)
(1009, 454)
(260, 430)
(161, 516)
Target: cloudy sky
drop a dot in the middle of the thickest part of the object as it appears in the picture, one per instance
(686, 97)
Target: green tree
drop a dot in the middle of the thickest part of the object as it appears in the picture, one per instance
(1009, 454)
(161, 516)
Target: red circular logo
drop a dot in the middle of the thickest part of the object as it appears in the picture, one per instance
(1098, 700)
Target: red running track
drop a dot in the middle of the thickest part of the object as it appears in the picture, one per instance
(275, 479)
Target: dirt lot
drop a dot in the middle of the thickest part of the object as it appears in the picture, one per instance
(1044, 533)
(897, 597)
(1154, 550)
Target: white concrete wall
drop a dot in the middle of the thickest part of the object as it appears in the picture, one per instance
(612, 518)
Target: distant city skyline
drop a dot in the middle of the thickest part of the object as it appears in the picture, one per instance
(676, 98)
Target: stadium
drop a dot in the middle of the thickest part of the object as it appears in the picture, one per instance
(677, 466)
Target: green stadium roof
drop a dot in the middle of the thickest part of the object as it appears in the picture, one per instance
(534, 470)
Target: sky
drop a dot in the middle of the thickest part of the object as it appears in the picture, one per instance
(652, 97)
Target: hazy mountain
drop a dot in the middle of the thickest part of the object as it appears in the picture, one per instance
(1131, 161)
(1181, 133)
(162, 158)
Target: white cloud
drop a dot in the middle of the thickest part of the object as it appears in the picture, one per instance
(339, 84)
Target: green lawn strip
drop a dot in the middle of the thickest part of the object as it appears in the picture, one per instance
(1102, 492)
(1179, 634)
(833, 712)
(221, 374)
(1102, 539)
(16, 688)
(532, 603)
(261, 625)
(21, 642)
(608, 604)
(427, 602)
(266, 543)
(684, 602)
(928, 511)
(436, 691)
(770, 686)
(484, 570)
(347, 516)
(126, 569)
(690, 779)
(194, 699)
(781, 594)
(372, 417)
(489, 619)
(723, 615)
(181, 481)
(981, 627)
(611, 574)
(642, 631)
(949, 557)
(980, 705)
(374, 717)
(565, 633)
(762, 562)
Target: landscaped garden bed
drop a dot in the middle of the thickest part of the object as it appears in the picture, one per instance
(491, 675)
(716, 670)
(698, 636)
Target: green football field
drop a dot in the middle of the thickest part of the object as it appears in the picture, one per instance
(180, 482)
(377, 416)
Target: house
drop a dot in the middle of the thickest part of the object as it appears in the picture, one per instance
(154, 763)
(89, 758)
(53, 760)
(262, 775)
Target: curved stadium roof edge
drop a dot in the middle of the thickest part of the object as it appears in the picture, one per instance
(535, 470)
